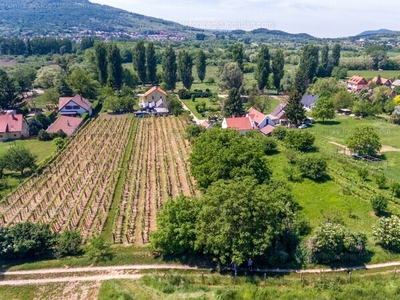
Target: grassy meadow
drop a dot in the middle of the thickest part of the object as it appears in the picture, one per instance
(369, 74)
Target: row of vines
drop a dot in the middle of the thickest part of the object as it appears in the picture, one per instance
(157, 170)
(76, 191)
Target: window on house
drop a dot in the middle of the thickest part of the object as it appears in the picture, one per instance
(69, 107)
(1, 136)
(15, 135)
(75, 107)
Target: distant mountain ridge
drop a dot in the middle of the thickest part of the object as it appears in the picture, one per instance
(52, 17)
(379, 31)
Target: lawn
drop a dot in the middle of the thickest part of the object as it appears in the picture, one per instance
(192, 105)
(369, 74)
(41, 149)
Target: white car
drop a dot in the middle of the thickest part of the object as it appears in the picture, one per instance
(302, 126)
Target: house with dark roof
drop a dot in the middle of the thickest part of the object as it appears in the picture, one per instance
(278, 115)
(74, 106)
(356, 84)
(260, 120)
(241, 124)
(13, 127)
(67, 124)
(308, 101)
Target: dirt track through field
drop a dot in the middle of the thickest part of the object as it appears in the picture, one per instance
(125, 272)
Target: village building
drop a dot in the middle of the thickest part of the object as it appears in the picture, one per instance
(13, 127)
(241, 124)
(69, 125)
(152, 98)
(356, 84)
(309, 101)
(74, 106)
(384, 81)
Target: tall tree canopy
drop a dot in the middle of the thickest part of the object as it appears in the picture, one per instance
(231, 76)
(263, 68)
(139, 60)
(294, 109)
(323, 109)
(240, 219)
(101, 61)
(226, 154)
(185, 68)
(114, 66)
(151, 63)
(309, 61)
(335, 58)
(233, 106)
(201, 64)
(278, 64)
(169, 67)
(238, 54)
(8, 93)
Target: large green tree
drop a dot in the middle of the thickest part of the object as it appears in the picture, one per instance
(169, 67)
(201, 64)
(263, 67)
(185, 68)
(231, 76)
(238, 54)
(176, 226)
(114, 67)
(323, 109)
(151, 63)
(233, 106)
(226, 154)
(335, 56)
(100, 50)
(324, 64)
(309, 61)
(20, 158)
(278, 64)
(8, 93)
(364, 140)
(294, 109)
(139, 60)
(240, 219)
(83, 83)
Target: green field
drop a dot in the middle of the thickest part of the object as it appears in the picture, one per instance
(369, 74)
(41, 149)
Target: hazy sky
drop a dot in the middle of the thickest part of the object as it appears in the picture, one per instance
(335, 18)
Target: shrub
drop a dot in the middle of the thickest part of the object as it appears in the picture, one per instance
(68, 243)
(334, 242)
(313, 166)
(299, 139)
(379, 204)
(387, 233)
(291, 173)
(59, 142)
(279, 133)
(292, 155)
(395, 189)
(51, 115)
(43, 135)
(184, 94)
(96, 106)
(381, 181)
(362, 173)
(85, 116)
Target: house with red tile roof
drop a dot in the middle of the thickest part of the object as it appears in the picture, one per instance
(153, 97)
(267, 130)
(74, 106)
(206, 125)
(356, 84)
(384, 81)
(67, 124)
(13, 127)
(260, 120)
(241, 124)
(278, 115)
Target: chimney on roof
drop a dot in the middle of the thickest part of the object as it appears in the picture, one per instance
(68, 123)
(13, 117)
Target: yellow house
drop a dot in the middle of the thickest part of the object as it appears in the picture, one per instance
(152, 97)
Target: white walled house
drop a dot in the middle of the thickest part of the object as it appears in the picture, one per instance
(73, 106)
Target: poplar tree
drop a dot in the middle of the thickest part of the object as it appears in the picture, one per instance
(169, 67)
(114, 64)
(237, 53)
(233, 106)
(139, 61)
(100, 50)
(201, 64)
(151, 63)
(263, 68)
(278, 64)
(185, 66)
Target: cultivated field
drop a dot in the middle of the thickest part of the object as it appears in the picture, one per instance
(77, 191)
